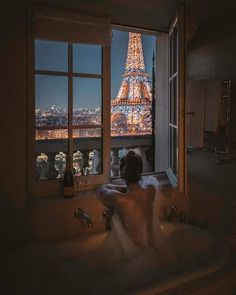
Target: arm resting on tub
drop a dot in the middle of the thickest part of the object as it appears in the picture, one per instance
(108, 193)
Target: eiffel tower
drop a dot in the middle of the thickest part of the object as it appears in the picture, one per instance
(131, 109)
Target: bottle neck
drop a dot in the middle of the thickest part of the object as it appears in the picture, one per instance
(68, 164)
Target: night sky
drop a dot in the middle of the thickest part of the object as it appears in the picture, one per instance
(52, 90)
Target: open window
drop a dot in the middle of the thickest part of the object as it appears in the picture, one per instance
(170, 144)
(133, 54)
(176, 79)
(69, 99)
(70, 107)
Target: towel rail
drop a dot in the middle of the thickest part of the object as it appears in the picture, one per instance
(220, 143)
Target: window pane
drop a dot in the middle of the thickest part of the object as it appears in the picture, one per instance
(87, 100)
(87, 59)
(51, 134)
(131, 93)
(173, 51)
(51, 150)
(173, 101)
(173, 150)
(88, 132)
(175, 54)
(51, 56)
(51, 106)
(171, 106)
(87, 157)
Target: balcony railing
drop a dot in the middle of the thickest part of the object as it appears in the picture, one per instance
(87, 156)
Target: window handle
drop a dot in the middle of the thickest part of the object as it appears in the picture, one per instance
(191, 113)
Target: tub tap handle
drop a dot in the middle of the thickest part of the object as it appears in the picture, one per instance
(107, 215)
(83, 216)
(182, 217)
(172, 213)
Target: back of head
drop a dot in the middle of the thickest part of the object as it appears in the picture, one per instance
(131, 167)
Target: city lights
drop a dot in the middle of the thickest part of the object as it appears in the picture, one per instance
(131, 110)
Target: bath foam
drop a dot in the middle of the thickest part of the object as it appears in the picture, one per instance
(97, 264)
(109, 263)
(109, 270)
(118, 265)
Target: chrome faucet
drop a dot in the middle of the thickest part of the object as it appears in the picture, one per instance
(83, 216)
(172, 214)
(107, 215)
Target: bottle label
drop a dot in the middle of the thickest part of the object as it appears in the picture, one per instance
(68, 191)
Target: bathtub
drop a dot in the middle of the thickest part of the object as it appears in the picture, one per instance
(101, 272)
(89, 265)
(212, 275)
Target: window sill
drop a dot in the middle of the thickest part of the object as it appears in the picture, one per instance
(85, 190)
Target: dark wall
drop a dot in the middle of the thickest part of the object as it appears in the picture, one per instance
(13, 102)
(12, 121)
(212, 48)
(211, 54)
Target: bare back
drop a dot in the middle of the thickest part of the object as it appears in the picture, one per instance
(135, 209)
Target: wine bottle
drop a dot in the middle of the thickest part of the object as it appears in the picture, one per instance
(68, 181)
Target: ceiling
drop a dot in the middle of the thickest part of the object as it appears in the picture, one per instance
(149, 14)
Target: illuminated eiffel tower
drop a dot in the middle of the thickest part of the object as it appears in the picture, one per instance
(131, 109)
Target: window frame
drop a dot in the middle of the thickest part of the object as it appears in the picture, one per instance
(53, 187)
(173, 79)
(178, 178)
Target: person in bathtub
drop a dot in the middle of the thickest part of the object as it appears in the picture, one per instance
(131, 204)
(134, 222)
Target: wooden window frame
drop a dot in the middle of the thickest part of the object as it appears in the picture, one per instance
(53, 187)
(36, 14)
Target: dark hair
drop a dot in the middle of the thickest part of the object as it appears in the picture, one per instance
(131, 167)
